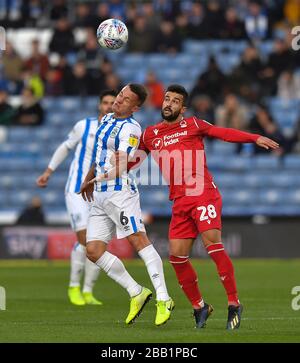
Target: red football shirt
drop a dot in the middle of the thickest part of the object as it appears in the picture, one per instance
(178, 149)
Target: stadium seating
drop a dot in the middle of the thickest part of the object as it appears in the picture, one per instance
(249, 184)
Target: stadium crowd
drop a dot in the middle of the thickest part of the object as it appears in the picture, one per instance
(160, 26)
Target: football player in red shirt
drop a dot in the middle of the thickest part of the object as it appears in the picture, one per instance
(175, 143)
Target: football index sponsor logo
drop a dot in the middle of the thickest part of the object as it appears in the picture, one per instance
(2, 38)
(296, 39)
(296, 299)
(2, 298)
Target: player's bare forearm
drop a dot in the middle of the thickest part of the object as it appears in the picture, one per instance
(90, 175)
(87, 189)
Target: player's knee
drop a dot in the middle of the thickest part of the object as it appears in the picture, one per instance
(93, 252)
(139, 240)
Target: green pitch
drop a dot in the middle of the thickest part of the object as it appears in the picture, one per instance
(38, 309)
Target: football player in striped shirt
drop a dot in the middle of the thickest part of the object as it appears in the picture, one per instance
(82, 136)
(116, 206)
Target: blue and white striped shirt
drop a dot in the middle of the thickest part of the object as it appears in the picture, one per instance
(115, 135)
(83, 135)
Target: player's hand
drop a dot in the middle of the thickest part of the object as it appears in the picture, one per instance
(87, 191)
(267, 143)
(42, 180)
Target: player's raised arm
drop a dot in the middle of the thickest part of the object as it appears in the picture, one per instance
(233, 135)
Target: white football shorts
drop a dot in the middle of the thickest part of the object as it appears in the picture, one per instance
(78, 211)
(114, 213)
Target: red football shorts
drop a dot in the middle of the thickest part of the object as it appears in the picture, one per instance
(194, 215)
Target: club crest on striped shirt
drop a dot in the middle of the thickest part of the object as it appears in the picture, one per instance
(114, 132)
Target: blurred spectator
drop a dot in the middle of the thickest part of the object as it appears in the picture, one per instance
(98, 76)
(288, 85)
(91, 53)
(153, 18)
(117, 9)
(245, 78)
(292, 12)
(58, 10)
(32, 12)
(202, 108)
(183, 27)
(102, 13)
(113, 82)
(212, 82)
(168, 40)
(7, 112)
(196, 21)
(38, 63)
(78, 82)
(62, 41)
(256, 22)
(213, 20)
(83, 16)
(33, 214)
(231, 113)
(233, 28)
(279, 60)
(141, 39)
(263, 124)
(30, 113)
(12, 67)
(33, 81)
(10, 12)
(155, 90)
(53, 83)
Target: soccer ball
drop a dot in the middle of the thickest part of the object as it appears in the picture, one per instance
(112, 34)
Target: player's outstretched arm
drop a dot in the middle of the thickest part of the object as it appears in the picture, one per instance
(42, 180)
(57, 158)
(267, 143)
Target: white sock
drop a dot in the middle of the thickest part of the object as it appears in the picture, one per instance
(115, 269)
(154, 266)
(78, 256)
(91, 274)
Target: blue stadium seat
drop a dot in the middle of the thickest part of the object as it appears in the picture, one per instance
(132, 61)
(292, 162)
(227, 62)
(266, 162)
(271, 196)
(223, 148)
(194, 47)
(227, 180)
(293, 197)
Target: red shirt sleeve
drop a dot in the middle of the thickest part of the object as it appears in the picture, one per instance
(224, 133)
(140, 155)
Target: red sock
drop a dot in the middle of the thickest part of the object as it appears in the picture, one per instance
(188, 280)
(225, 270)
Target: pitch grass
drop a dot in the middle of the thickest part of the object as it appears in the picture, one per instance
(38, 309)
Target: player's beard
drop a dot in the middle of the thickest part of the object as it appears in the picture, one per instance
(171, 117)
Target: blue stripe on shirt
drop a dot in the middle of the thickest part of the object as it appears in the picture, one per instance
(103, 154)
(82, 153)
(118, 185)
